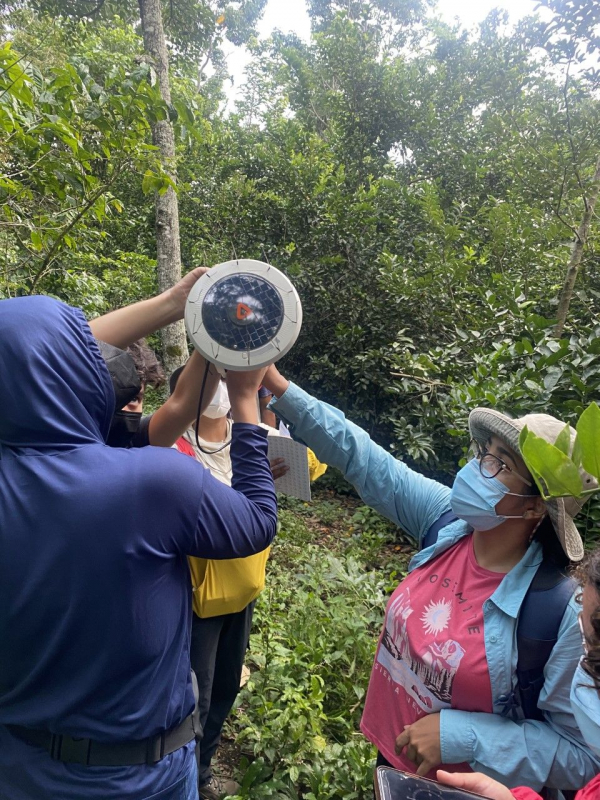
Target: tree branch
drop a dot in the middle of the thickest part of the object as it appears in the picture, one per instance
(570, 134)
(577, 253)
(53, 252)
(419, 380)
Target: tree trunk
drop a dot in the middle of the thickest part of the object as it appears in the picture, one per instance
(577, 253)
(168, 253)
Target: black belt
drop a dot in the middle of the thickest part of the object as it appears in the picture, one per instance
(108, 754)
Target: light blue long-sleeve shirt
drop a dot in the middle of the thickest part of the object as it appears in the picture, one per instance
(536, 753)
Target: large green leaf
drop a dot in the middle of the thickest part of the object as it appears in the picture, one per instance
(588, 435)
(556, 475)
(563, 440)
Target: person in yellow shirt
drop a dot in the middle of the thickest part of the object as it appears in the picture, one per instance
(223, 600)
(224, 595)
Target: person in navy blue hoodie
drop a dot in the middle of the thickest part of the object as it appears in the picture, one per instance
(96, 694)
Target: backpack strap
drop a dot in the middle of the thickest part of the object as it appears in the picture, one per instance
(541, 613)
(431, 536)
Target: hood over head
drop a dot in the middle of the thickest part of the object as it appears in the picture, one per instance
(55, 390)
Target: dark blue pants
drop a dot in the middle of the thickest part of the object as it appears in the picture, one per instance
(217, 654)
(187, 789)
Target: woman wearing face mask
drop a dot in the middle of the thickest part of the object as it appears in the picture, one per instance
(443, 690)
(218, 642)
(214, 433)
(585, 697)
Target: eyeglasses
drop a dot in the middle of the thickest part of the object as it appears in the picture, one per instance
(491, 465)
(584, 640)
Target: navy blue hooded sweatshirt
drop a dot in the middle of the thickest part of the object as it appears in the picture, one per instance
(95, 593)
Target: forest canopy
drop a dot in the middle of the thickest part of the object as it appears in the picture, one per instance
(430, 190)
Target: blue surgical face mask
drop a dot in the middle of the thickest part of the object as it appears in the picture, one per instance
(474, 498)
(585, 703)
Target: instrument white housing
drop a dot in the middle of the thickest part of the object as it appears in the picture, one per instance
(243, 314)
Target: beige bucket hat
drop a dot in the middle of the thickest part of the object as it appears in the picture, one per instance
(485, 422)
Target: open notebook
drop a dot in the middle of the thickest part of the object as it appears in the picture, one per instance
(297, 481)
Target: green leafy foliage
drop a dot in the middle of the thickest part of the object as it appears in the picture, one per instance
(588, 435)
(554, 472)
(556, 467)
(69, 140)
(428, 264)
(316, 626)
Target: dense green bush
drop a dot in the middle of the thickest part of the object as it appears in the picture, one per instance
(316, 626)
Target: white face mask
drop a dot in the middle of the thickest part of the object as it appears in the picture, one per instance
(219, 405)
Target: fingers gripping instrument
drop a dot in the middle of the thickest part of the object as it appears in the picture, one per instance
(243, 314)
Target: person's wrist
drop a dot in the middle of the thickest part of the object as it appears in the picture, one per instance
(242, 398)
(244, 411)
(172, 305)
(281, 387)
(277, 385)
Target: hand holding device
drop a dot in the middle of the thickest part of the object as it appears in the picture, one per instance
(393, 784)
(178, 294)
(475, 782)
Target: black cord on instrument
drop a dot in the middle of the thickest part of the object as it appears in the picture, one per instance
(198, 415)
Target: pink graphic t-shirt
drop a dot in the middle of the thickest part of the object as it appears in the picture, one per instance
(431, 654)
